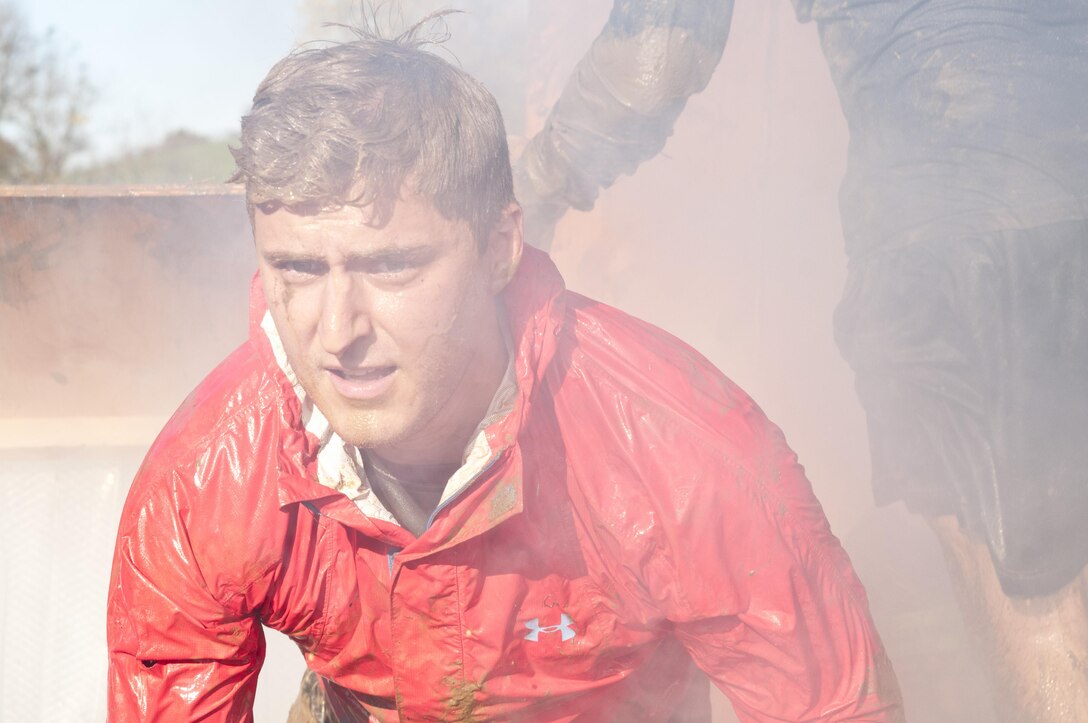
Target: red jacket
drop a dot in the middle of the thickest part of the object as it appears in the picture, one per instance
(638, 513)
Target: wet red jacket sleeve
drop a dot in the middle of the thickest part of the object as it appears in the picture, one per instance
(771, 608)
(181, 647)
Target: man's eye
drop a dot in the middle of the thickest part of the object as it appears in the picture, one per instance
(391, 267)
(300, 269)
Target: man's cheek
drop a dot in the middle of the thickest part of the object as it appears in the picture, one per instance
(284, 292)
(300, 308)
(445, 328)
(454, 315)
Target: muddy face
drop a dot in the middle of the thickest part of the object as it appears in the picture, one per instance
(393, 331)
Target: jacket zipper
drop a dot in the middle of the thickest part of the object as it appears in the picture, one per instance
(472, 480)
(390, 553)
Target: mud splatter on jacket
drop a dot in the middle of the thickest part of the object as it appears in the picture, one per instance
(638, 516)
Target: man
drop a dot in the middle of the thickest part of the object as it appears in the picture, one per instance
(965, 215)
(466, 493)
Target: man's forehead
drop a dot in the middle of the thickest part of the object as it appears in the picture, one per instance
(283, 219)
(414, 222)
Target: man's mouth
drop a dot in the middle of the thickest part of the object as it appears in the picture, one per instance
(365, 374)
(362, 384)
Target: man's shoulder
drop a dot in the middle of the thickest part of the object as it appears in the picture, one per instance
(647, 419)
(671, 462)
(653, 377)
(207, 488)
(230, 416)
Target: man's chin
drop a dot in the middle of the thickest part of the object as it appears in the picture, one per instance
(360, 423)
(371, 432)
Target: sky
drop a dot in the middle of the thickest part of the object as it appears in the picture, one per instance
(160, 65)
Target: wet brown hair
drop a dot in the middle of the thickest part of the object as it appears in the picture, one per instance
(354, 123)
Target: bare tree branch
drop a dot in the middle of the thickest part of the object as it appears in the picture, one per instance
(43, 103)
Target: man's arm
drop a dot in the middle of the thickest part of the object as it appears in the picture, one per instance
(620, 104)
(177, 652)
(769, 605)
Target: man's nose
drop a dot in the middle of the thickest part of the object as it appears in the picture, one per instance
(345, 315)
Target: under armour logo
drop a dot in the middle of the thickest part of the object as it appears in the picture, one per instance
(564, 627)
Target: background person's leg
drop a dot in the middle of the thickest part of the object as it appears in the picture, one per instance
(1034, 648)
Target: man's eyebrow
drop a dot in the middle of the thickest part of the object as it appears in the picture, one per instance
(390, 253)
(420, 252)
(274, 257)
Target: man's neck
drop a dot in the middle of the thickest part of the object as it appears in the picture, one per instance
(410, 491)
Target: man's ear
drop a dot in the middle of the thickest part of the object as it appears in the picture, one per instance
(504, 246)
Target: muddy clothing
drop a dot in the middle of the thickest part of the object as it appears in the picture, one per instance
(965, 196)
(634, 518)
(965, 117)
(311, 705)
(971, 362)
(965, 315)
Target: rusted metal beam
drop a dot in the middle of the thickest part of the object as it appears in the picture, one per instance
(115, 301)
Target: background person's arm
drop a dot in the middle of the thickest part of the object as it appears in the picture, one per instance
(620, 104)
